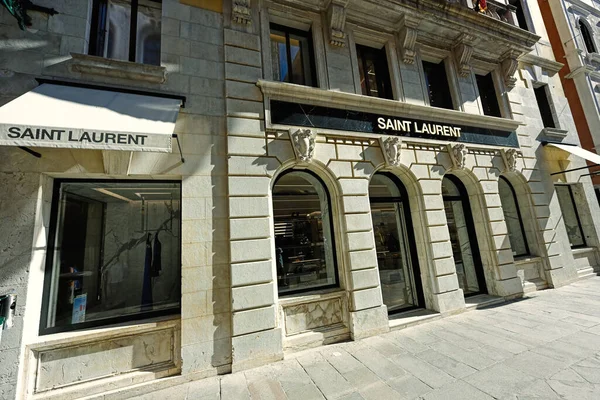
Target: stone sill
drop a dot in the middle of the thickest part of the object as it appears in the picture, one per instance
(527, 260)
(329, 98)
(554, 133)
(582, 250)
(92, 335)
(310, 297)
(93, 65)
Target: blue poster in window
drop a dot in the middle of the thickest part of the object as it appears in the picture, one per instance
(79, 304)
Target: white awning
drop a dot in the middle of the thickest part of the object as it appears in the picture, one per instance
(53, 115)
(578, 151)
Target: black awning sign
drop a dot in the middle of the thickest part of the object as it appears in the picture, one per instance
(417, 127)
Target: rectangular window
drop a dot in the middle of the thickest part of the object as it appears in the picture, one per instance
(570, 215)
(113, 255)
(126, 30)
(520, 13)
(292, 56)
(487, 94)
(436, 82)
(374, 73)
(541, 95)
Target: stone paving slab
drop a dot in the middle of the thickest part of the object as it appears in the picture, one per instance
(544, 346)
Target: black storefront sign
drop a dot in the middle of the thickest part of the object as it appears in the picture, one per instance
(286, 113)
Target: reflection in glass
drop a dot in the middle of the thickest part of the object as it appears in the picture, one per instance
(117, 251)
(512, 217)
(291, 56)
(373, 70)
(570, 217)
(461, 229)
(304, 247)
(279, 56)
(391, 243)
(148, 32)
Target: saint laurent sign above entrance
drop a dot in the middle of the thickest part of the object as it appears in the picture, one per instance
(287, 113)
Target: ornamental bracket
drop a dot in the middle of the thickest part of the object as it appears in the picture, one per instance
(241, 12)
(463, 51)
(336, 18)
(509, 66)
(407, 37)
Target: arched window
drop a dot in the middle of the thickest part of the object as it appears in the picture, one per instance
(304, 242)
(512, 216)
(587, 37)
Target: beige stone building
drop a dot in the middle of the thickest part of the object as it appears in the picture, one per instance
(338, 169)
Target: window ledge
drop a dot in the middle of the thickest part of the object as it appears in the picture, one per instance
(582, 250)
(93, 65)
(329, 98)
(527, 259)
(310, 297)
(555, 133)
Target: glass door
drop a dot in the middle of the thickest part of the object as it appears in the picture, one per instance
(394, 243)
(469, 269)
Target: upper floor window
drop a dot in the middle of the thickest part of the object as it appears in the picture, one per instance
(126, 30)
(543, 101)
(436, 82)
(487, 94)
(292, 56)
(571, 219)
(588, 39)
(374, 73)
(520, 13)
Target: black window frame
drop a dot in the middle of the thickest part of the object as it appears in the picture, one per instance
(579, 225)
(520, 217)
(336, 284)
(99, 25)
(441, 93)
(50, 252)
(382, 71)
(311, 53)
(522, 20)
(544, 103)
(488, 95)
(587, 36)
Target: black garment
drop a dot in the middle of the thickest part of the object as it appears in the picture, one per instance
(157, 257)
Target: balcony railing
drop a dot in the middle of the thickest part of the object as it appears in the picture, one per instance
(497, 9)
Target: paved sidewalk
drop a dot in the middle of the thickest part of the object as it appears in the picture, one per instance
(546, 346)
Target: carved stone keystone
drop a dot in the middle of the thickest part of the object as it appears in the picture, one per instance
(303, 142)
(510, 159)
(458, 153)
(391, 147)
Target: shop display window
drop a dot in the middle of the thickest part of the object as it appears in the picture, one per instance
(570, 215)
(374, 73)
(292, 56)
(114, 253)
(126, 30)
(512, 217)
(304, 244)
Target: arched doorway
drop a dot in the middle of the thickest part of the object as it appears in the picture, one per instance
(395, 244)
(469, 268)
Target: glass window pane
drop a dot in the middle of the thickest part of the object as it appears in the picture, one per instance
(117, 251)
(298, 46)
(148, 32)
(119, 16)
(514, 225)
(569, 213)
(279, 56)
(382, 186)
(487, 94)
(437, 85)
(304, 247)
(373, 70)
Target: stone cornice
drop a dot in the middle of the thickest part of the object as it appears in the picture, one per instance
(329, 98)
(549, 65)
(581, 6)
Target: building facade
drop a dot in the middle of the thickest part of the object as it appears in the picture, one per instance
(572, 30)
(337, 167)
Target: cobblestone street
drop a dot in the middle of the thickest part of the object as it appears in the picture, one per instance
(545, 346)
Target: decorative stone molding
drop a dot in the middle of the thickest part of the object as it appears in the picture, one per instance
(593, 59)
(391, 147)
(336, 18)
(510, 159)
(554, 133)
(241, 13)
(458, 153)
(303, 142)
(93, 65)
(407, 38)
(462, 54)
(509, 66)
(548, 65)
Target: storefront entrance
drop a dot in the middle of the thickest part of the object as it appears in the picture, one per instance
(467, 258)
(395, 244)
